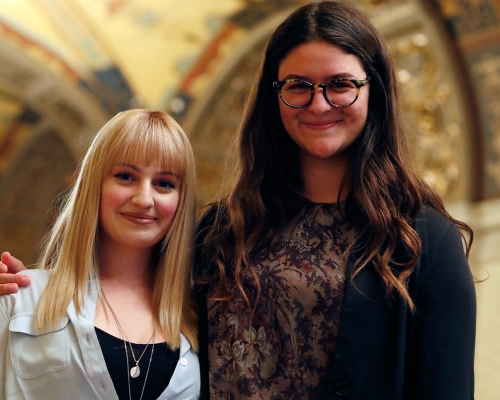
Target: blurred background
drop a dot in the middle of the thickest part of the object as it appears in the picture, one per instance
(67, 66)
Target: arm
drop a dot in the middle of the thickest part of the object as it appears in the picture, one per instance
(445, 322)
(9, 282)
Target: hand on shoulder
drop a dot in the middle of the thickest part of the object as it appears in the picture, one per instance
(9, 279)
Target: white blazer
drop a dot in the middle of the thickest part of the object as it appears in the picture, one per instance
(67, 362)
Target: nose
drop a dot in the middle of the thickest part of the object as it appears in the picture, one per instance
(319, 105)
(143, 196)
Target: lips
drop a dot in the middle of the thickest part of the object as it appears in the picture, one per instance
(138, 218)
(320, 125)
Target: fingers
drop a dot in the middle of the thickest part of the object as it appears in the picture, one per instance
(9, 282)
(13, 264)
(8, 288)
(7, 277)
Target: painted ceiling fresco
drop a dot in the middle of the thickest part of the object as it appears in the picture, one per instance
(67, 66)
(149, 45)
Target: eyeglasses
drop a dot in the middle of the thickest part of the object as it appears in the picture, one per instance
(339, 93)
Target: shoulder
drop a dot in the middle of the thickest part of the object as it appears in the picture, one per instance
(437, 232)
(26, 298)
(442, 246)
(432, 222)
(38, 276)
(39, 280)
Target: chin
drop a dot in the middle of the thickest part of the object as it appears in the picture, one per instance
(327, 153)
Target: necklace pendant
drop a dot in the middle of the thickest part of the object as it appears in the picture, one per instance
(135, 371)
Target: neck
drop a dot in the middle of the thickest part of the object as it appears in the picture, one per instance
(124, 266)
(126, 277)
(322, 178)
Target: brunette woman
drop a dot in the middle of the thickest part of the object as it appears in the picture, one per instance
(331, 270)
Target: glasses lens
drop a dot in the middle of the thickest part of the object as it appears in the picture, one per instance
(341, 93)
(297, 93)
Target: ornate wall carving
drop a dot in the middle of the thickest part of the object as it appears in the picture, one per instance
(475, 25)
(486, 75)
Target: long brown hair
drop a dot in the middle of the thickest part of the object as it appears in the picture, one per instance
(385, 195)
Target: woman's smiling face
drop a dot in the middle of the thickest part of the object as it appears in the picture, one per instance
(138, 205)
(321, 130)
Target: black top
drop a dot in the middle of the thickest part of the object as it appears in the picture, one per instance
(161, 370)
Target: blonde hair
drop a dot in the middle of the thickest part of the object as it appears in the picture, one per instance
(134, 136)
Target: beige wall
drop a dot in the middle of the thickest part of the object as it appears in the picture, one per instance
(485, 260)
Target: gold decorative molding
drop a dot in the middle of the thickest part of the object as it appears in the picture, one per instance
(486, 72)
(431, 114)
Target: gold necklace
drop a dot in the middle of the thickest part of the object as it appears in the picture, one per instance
(135, 371)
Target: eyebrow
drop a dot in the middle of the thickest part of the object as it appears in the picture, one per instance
(328, 79)
(136, 168)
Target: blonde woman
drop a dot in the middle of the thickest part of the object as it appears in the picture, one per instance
(109, 315)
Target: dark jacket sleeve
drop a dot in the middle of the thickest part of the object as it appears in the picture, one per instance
(444, 324)
(386, 351)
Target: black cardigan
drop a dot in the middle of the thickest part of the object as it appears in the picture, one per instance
(386, 352)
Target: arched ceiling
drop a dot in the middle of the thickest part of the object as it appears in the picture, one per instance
(67, 66)
(135, 39)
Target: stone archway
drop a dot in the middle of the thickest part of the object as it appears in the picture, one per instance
(54, 125)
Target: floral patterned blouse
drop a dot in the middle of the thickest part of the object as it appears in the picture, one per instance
(286, 351)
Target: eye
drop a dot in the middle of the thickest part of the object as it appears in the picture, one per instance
(297, 86)
(341, 85)
(124, 176)
(165, 184)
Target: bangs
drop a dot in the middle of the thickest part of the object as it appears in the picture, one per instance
(155, 142)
